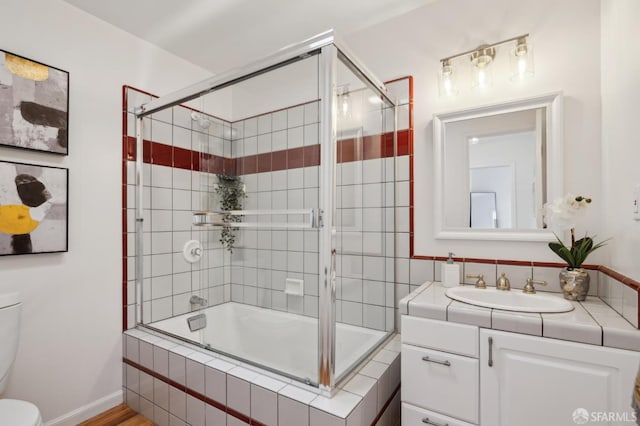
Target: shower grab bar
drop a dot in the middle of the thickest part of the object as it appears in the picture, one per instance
(213, 218)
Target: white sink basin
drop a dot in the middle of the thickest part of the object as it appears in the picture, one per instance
(513, 300)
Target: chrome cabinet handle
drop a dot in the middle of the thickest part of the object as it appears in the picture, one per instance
(490, 362)
(429, 422)
(426, 358)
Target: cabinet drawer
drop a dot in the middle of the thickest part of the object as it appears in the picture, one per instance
(414, 416)
(442, 382)
(441, 335)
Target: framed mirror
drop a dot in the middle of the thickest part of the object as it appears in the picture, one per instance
(495, 168)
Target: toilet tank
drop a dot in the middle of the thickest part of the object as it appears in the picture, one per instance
(9, 327)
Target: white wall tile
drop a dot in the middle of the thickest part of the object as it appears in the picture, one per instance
(177, 368)
(177, 403)
(279, 141)
(264, 405)
(372, 171)
(214, 416)
(374, 316)
(311, 134)
(239, 395)
(373, 292)
(264, 124)
(195, 376)
(264, 143)
(321, 418)
(292, 413)
(352, 313)
(195, 415)
(420, 271)
(161, 198)
(161, 220)
(295, 178)
(311, 113)
(295, 116)
(181, 137)
(161, 132)
(295, 137)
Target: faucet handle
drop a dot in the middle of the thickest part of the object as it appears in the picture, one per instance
(480, 282)
(529, 288)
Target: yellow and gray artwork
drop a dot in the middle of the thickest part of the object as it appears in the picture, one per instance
(33, 209)
(34, 102)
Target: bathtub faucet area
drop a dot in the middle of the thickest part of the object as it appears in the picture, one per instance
(197, 302)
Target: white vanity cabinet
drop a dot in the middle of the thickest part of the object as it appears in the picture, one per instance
(532, 381)
(463, 375)
(440, 373)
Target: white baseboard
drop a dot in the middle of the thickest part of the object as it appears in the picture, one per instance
(87, 411)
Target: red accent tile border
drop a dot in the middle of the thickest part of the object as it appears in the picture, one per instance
(220, 406)
(223, 407)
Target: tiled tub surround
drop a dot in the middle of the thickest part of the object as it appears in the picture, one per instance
(179, 384)
(277, 156)
(592, 321)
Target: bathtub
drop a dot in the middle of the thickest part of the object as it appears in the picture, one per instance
(280, 341)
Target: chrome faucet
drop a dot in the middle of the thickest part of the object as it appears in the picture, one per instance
(480, 282)
(529, 288)
(197, 302)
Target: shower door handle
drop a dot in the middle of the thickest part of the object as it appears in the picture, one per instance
(333, 265)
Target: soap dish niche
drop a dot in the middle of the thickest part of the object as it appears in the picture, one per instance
(294, 287)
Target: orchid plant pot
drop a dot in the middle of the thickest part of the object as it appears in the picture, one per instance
(574, 283)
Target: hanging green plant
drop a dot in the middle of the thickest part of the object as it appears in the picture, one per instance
(231, 192)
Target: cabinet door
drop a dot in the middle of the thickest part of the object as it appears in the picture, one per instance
(534, 381)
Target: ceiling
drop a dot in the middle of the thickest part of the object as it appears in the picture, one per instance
(222, 34)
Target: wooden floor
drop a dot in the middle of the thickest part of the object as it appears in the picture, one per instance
(118, 416)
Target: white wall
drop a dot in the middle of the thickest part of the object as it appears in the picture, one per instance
(620, 147)
(566, 36)
(70, 347)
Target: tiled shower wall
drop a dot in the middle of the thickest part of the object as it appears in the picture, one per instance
(278, 160)
(176, 179)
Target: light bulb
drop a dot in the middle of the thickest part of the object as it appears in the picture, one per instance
(447, 79)
(345, 104)
(522, 66)
(521, 58)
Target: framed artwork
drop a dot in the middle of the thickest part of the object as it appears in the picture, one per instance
(33, 209)
(34, 105)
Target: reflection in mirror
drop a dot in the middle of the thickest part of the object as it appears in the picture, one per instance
(496, 167)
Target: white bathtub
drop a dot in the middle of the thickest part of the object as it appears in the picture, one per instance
(278, 340)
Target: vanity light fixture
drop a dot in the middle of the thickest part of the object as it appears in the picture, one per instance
(447, 79)
(521, 59)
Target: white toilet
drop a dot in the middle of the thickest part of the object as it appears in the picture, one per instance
(12, 411)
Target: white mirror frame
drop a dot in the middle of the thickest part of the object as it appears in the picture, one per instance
(554, 160)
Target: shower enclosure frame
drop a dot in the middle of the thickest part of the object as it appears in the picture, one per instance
(330, 51)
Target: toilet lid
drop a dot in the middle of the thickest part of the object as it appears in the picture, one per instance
(18, 413)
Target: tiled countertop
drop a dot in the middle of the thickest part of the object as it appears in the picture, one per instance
(591, 321)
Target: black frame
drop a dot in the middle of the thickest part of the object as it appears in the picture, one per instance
(66, 151)
(66, 182)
